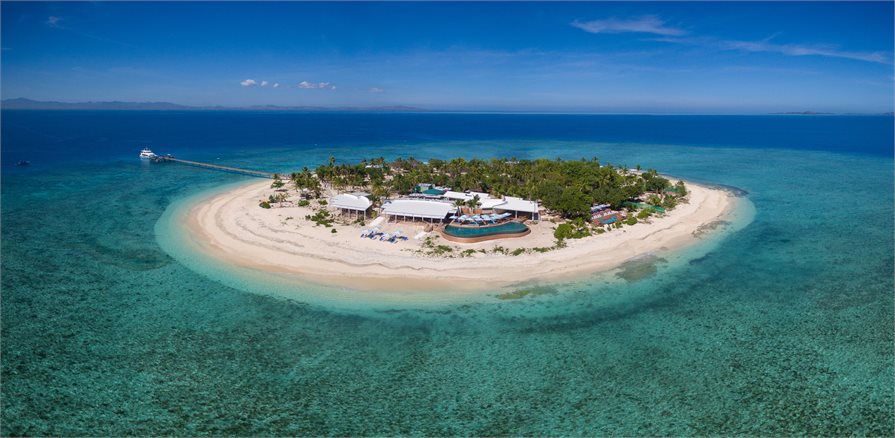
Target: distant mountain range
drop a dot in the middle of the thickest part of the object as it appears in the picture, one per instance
(816, 113)
(22, 103)
(801, 113)
(29, 104)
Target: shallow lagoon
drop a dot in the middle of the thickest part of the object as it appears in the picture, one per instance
(783, 327)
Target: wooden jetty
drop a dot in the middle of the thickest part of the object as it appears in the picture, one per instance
(166, 158)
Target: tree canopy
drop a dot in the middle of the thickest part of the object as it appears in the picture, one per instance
(568, 187)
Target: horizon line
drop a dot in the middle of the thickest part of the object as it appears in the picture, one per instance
(39, 105)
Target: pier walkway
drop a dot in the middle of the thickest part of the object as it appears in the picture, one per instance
(163, 159)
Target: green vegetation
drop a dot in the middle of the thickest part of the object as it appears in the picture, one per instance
(276, 198)
(575, 229)
(277, 182)
(430, 248)
(467, 253)
(568, 187)
(321, 217)
(669, 202)
(307, 181)
(680, 189)
(645, 213)
(443, 249)
(264, 204)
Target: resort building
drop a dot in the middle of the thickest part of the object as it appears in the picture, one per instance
(464, 196)
(519, 205)
(422, 209)
(349, 203)
(507, 204)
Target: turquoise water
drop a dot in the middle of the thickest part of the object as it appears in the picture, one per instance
(485, 230)
(782, 327)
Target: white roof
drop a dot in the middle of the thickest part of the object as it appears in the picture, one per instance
(518, 204)
(450, 194)
(418, 208)
(490, 202)
(350, 201)
(486, 201)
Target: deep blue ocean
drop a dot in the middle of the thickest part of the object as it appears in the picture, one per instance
(784, 328)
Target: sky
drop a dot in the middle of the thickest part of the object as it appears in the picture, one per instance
(616, 57)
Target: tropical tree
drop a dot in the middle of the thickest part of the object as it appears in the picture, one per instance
(474, 203)
(277, 182)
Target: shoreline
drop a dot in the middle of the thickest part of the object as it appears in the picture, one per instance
(230, 227)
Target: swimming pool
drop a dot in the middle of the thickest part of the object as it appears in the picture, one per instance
(476, 233)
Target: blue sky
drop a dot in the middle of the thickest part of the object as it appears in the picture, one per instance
(575, 57)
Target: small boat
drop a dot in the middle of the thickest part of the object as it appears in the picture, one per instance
(147, 154)
(23, 163)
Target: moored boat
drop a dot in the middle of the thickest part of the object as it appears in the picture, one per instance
(147, 154)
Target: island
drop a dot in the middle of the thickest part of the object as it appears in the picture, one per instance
(459, 225)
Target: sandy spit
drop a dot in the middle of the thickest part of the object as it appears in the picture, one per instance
(232, 227)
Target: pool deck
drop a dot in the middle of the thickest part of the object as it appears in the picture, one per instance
(478, 239)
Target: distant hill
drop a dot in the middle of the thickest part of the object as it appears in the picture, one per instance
(815, 113)
(22, 103)
(29, 104)
(802, 113)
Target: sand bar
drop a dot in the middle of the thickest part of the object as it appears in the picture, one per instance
(230, 226)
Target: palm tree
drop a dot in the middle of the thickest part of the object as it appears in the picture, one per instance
(460, 203)
(474, 203)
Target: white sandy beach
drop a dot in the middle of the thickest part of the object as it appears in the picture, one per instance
(231, 226)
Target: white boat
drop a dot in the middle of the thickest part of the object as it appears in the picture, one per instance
(147, 154)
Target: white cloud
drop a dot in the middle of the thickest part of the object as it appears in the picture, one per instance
(276, 85)
(263, 83)
(765, 45)
(803, 50)
(53, 21)
(376, 90)
(316, 85)
(643, 24)
(248, 83)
